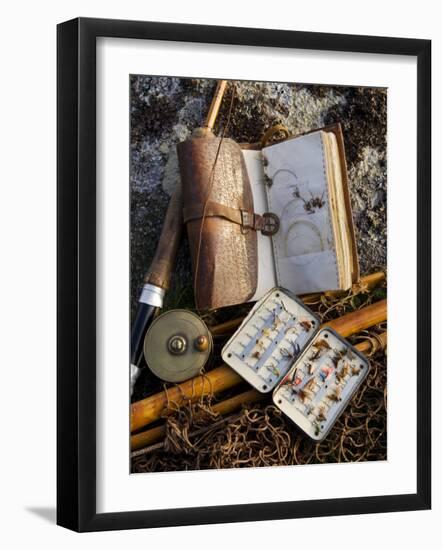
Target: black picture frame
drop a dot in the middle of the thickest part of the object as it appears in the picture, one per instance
(76, 274)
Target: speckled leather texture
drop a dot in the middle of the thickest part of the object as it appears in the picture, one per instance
(228, 265)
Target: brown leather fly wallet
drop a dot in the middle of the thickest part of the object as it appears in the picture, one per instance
(217, 206)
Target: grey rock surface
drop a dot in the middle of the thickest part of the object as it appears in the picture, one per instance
(165, 110)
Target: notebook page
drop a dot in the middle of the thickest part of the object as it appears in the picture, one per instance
(304, 247)
(266, 266)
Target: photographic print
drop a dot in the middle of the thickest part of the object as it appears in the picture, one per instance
(258, 260)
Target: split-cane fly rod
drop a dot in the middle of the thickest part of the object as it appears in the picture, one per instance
(157, 279)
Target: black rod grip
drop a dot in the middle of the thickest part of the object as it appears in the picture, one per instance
(143, 318)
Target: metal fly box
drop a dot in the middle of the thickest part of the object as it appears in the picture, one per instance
(321, 383)
(270, 339)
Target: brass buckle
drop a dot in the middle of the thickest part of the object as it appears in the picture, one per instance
(270, 224)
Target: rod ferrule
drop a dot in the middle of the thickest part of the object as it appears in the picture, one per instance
(152, 295)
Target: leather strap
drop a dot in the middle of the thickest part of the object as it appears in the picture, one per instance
(241, 217)
(245, 218)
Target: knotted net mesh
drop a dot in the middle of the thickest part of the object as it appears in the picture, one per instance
(260, 435)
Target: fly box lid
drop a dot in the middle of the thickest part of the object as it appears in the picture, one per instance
(321, 383)
(270, 339)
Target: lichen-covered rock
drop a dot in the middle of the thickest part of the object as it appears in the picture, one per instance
(165, 110)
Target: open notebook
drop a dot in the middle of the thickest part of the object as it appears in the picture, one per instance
(303, 181)
(300, 183)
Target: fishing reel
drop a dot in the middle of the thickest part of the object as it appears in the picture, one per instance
(177, 345)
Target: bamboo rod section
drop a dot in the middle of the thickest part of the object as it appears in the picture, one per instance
(368, 282)
(148, 437)
(358, 320)
(227, 327)
(143, 439)
(153, 435)
(373, 343)
(365, 283)
(216, 104)
(148, 410)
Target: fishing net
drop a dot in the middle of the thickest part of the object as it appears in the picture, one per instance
(260, 435)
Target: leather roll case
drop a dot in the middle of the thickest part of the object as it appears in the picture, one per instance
(218, 213)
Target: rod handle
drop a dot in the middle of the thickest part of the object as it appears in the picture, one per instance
(161, 268)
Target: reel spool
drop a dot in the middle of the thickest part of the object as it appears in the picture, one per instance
(177, 345)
